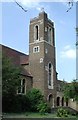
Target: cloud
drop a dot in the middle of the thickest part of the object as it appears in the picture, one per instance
(67, 47)
(68, 52)
(62, 22)
(29, 4)
(36, 3)
(65, 4)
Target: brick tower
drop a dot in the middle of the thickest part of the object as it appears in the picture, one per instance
(42, 60)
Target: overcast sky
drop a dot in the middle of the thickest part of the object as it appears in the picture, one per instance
(15, 31)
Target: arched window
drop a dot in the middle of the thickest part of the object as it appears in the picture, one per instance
(62, 101)
(50, 98)
(58, 101)
(47, 34)
(50, 73)
(50, 76)
(36, 32)
(23, 86)
(21, 89)
(66, 101)
(49, 30)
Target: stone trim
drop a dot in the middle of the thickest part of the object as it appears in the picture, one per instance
(39, 42)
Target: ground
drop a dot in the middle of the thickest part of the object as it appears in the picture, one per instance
(33, 115)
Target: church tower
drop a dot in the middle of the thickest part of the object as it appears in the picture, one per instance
(42, 60)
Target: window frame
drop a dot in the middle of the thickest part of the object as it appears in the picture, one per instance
(22, 87)
(36, 32)
(49, 34)
(36, 49)
(50, 75)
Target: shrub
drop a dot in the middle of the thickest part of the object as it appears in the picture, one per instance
(22, 103)
(34, 96)
(17, 103)
(62, 112)
(8, 103)
(42, 107)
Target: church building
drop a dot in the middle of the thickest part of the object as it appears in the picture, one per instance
(39, 67)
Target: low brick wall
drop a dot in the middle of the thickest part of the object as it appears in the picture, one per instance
(39, 119)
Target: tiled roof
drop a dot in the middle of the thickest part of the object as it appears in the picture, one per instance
(26, 73)
(18, 58)
(24, 59)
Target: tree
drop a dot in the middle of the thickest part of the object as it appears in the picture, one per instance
(35, 96)
(10, 83)
(10, 77)
(70, 90)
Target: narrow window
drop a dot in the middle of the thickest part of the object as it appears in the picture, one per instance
(19, 88)
(58, 101)
(36, 32)
(50, 39)
(50, 76)
(50, 73)
(62, 101)
(23, 86)
(35, 49)
(49, 34)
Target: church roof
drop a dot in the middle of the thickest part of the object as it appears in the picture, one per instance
(24, 60)
(26, 73)
(17, 58)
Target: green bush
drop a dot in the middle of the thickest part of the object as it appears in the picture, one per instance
(17, 103)
(42, 107)
(34, 96)
(62, 112)
(31, 102)
(22, 103)
(8, 103)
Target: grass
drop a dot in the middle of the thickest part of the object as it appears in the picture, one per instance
(32, 115)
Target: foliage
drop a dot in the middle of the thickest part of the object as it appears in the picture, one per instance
(35, 96)
(42, 107)
(18, 103)
(12, 102)
(10, 82)
(37, 102)
(22, 103)
(74, 87)
(62, 112)
(10, 77)
(70, 90)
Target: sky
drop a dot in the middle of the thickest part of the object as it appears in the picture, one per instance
(14, 31)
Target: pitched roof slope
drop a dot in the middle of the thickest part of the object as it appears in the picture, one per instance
(17, 57)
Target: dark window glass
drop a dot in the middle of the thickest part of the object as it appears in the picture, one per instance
(36, 28)
(23, 86)
(50, 67)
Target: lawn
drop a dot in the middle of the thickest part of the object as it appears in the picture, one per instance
(32, 115)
